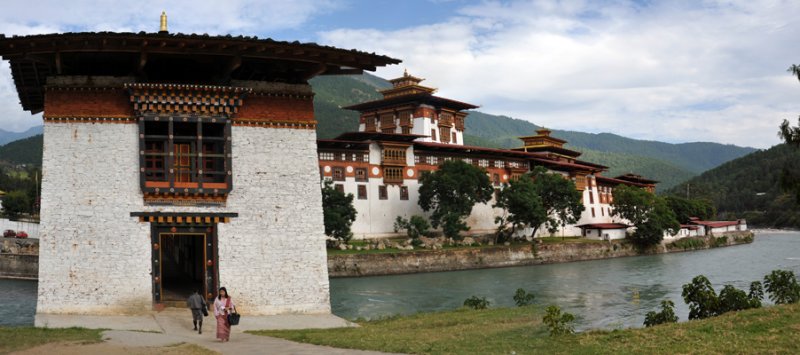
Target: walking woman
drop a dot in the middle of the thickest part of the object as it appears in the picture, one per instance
(223, 305)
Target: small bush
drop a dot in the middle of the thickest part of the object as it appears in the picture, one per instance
(522, 298)
(782, 287)
(719, 241)
(689, 243)
(558, 323)
(667, 315)
(415, 227)
(701, 298)
(476, 303)
(733, 299)
(756, 294)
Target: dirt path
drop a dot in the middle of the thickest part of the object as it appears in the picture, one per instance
(170, 332)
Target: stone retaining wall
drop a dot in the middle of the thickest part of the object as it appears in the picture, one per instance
(19, 266)
(374, 264)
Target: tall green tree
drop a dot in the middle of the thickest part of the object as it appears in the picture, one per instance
(650, 214)
(560, 198)
(685, 208)
(522, 203)
(540, 198)
(338, 212)
(451, 192)
(16, 203)
(790, 181)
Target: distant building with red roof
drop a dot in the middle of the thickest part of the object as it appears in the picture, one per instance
(411, 131)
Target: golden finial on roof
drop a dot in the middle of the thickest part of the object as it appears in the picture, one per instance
(163, 28)
(405, 72)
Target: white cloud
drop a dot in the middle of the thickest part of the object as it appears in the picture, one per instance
(212, 17)
(709, 71)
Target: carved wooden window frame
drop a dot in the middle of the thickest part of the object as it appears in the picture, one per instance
(201, 180)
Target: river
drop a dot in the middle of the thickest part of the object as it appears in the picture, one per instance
(609, 293)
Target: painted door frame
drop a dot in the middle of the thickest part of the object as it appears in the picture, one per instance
(210, 256)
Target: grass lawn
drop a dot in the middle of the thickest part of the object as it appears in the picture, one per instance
(19, 338)
(506, 330)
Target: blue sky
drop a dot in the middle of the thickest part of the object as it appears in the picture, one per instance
(674, 71)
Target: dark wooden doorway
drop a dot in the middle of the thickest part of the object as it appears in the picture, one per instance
(184, 260)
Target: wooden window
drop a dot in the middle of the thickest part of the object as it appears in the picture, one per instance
(339, 187)
(369, 123)
(445, 134)
(382, 193)
(405, 118)
(433, 134)
(483, 163)
(406, 130)
(338, 173)
(455, 138)
(392, 175)
(404, 192)
(192, 155)
(496, 179)
(325, 156)
(154, 167)
(361, 174)
(394, 155)
(362, 192)
(592, 212)
(591, 197)
(387, 121)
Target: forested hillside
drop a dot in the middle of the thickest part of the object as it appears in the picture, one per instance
(23, 151)
(749, 187)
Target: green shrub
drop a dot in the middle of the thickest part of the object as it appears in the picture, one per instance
(415, 227)
(667, 315)
(522, 298)
(732, 299)
(689, 243)
(338, 212)
(782, 287)
(476, 303)
(558, 323)
(719, 241)
(701, 298)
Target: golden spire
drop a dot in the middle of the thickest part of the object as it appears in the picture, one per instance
(405, 72)
(163, 28)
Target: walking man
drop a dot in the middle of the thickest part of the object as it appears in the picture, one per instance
(198, 305)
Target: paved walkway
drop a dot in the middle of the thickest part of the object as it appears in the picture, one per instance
(173, 326)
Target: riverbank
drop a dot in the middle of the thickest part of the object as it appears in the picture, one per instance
(520, 331)
(19, 257)
(409, 262)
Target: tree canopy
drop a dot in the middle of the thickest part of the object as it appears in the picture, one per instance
(540, 198)
(451, 192)
(790, 180)
(338, 212)
(650, 214)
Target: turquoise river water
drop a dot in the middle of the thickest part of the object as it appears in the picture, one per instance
(609, 293)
